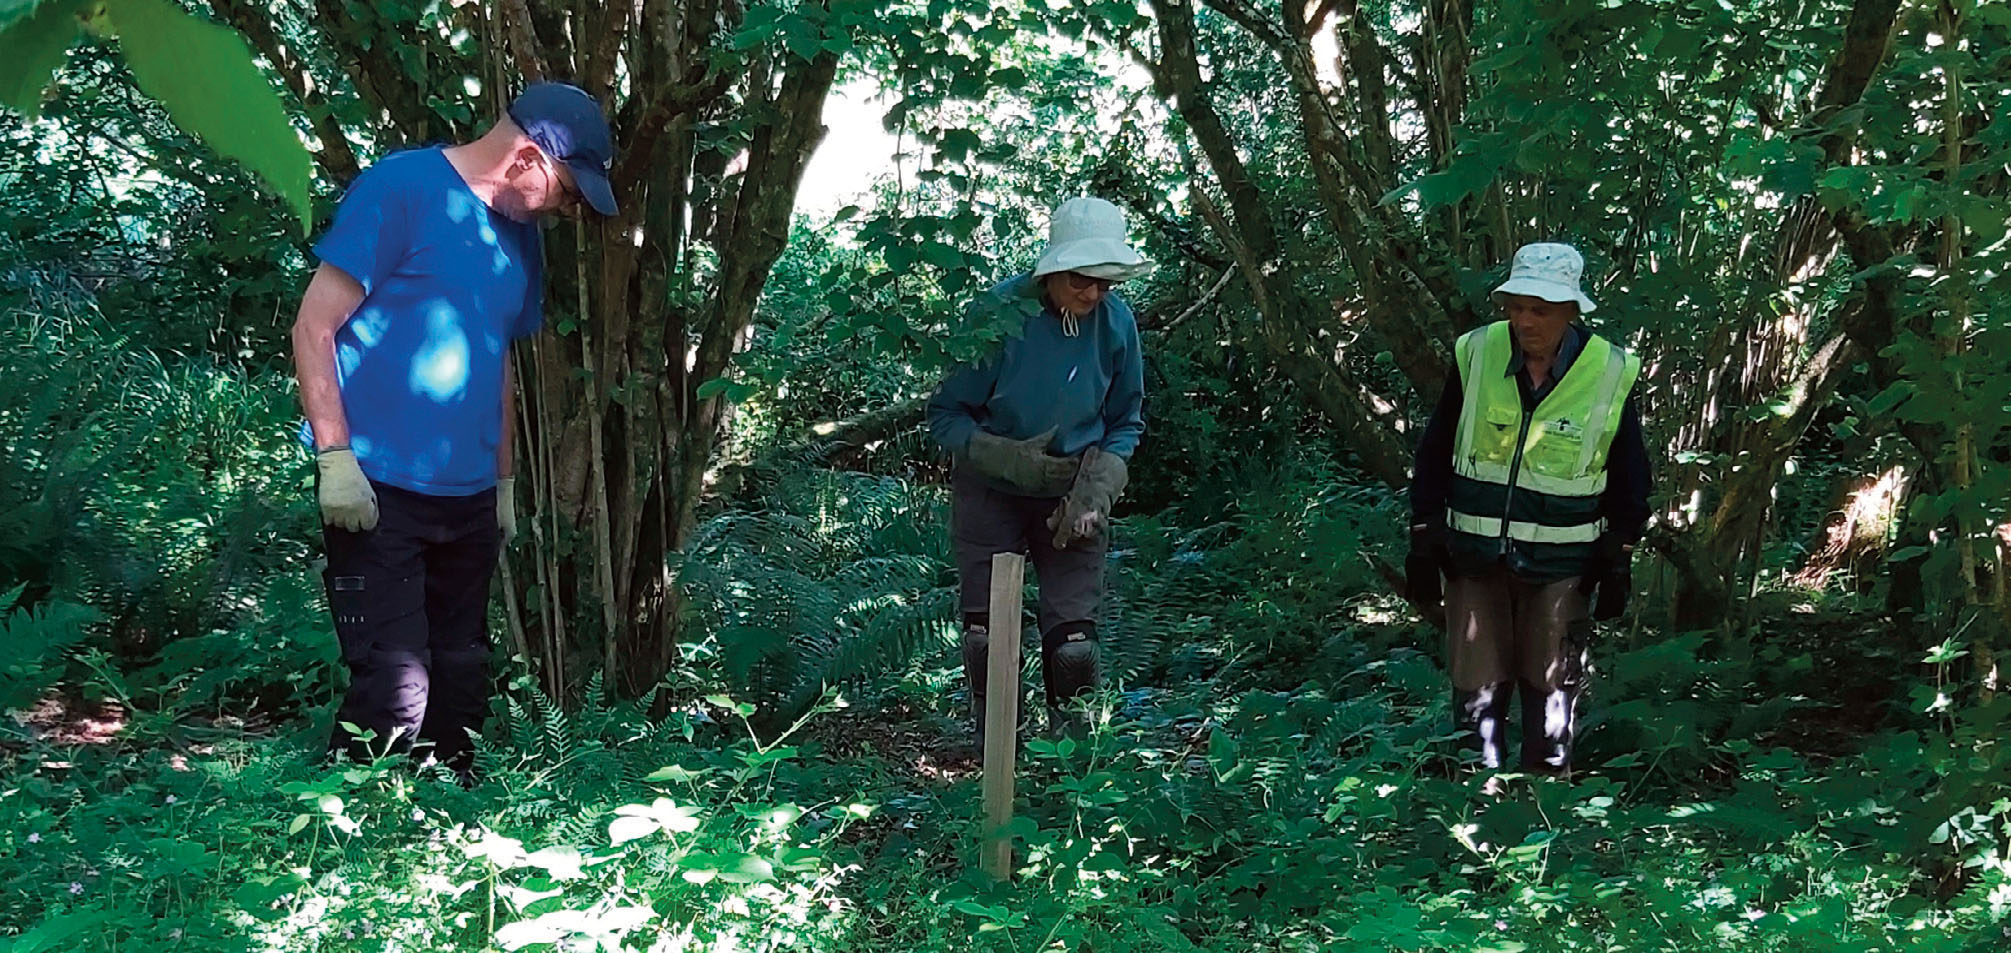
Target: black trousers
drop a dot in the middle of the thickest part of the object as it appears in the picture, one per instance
(410, 600)
(985, 522)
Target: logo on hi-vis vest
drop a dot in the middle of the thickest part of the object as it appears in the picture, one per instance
(1563, 427)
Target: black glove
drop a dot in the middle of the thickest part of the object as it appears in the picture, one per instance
(1612, 573)
(1424, 564)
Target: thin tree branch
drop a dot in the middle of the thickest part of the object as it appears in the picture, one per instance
(522, 40)
(1207, 297)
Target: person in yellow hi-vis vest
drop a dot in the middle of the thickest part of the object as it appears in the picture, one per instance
(1529, 493)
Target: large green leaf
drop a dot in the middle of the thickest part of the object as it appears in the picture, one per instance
(35, 35)
(13, 10)
(203, 73)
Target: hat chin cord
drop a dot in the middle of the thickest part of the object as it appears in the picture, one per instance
(1071, 322)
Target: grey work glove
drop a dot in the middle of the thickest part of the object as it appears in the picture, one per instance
(347, 501)
(1025, 464)
(1086, 509)
(506, 508)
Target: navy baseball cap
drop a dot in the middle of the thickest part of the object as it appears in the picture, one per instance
(567, 124)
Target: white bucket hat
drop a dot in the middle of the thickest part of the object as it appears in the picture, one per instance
(1550, 271)
(1087, 236)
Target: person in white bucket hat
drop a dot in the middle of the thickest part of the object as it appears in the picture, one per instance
(1550, 271)
(1529, 492)
(1040, 436)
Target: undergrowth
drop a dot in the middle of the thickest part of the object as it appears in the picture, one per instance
(1269, 770)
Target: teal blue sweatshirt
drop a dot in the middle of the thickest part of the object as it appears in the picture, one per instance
(1089, 387)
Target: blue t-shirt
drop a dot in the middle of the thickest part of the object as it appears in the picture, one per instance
(448, 283)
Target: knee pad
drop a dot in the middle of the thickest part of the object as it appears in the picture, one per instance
(391, 658)
(1069, 661)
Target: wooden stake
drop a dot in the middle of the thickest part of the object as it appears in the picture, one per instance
(1002, 711)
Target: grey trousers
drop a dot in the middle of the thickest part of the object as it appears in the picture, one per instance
(985, 522)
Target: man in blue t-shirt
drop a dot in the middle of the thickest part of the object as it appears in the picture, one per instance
(1041, 433)
(432, 267)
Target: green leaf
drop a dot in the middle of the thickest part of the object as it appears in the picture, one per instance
(676, 772)
(57, 932)
(1465, 175)
(1944, 653)
(563, 863)
(982, 911)
(1795, 169)
(12, 11)
(942, 256)
(713, 387)
(1222, 753)
(621, 830)
(1890, 399)
(203, 73)
(957, 144)
(35, 44)
(265, 897)
(749, 869)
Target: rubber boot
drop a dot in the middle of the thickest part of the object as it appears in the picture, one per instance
(1549, 721)
(977, 644)
(1550, 718)
(1481, 718)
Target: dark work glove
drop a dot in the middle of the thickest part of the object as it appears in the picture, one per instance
(1024, 464)
(1086, 510)
(1424, 564)
(1612, 573)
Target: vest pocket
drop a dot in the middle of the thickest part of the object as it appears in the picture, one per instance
(1554, 451)
(1494, 439)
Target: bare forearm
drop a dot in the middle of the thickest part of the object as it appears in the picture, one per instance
(331, 297)
(320, 399)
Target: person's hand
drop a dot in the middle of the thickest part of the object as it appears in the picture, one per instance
(347, 501)
(506, 508)
(1071, 526)
(1086, 509)
(1612, 573)
(1025, 464)
(1425, 564)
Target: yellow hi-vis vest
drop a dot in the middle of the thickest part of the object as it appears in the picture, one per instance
(1535, 477)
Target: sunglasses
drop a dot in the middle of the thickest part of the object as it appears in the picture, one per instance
(573, 195)
(1081, 282)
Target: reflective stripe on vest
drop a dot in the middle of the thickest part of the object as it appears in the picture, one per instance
(1490, 527)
